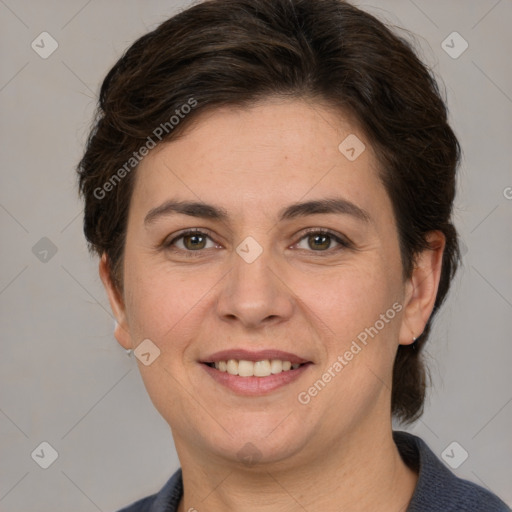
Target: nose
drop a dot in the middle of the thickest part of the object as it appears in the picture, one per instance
(255, 293)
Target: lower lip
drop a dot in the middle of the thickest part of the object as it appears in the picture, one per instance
(253, 386)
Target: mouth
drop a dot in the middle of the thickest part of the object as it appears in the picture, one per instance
(263, 368)
(254, 373)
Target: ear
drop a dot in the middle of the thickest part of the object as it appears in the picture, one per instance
(121, 331)
(421, 288)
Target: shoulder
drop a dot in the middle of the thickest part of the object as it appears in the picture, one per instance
(438, 489)
(166, 500)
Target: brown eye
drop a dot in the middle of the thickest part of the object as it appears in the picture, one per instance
(189, 242)
(321, 241)
(194, 241)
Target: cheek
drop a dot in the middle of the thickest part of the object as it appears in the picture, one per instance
(163, 303)
(363, 327)
(354, 296)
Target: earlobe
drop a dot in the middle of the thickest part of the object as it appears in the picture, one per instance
(421, 288)
(121, 331)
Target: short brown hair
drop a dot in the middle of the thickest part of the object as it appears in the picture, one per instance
(235, 52)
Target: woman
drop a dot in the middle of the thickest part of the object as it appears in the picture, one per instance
(269, 185)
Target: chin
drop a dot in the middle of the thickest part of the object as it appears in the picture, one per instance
(269, 440)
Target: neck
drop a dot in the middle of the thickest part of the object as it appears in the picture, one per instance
(357, 476)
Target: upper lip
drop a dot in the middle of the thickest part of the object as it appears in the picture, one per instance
(249, 355)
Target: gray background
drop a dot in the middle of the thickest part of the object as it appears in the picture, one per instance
(64, 378)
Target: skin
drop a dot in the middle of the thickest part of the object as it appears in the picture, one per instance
(337, 451)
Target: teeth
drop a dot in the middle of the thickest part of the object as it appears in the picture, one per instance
(276, 366)
(263, 368)
(232, 367)
(245, 368)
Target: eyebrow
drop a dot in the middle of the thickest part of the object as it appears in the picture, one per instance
(335, 205)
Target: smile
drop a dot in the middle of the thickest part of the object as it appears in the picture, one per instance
(244, 368)
(246, 381)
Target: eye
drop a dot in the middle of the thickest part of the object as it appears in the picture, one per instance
(196, 240)
(191, 240)
(320, 240)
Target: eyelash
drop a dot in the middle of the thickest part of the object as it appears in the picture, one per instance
(344, 243)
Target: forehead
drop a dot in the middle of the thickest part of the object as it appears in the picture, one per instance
(271, 153)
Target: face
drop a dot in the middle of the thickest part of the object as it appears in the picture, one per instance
(265, 275)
